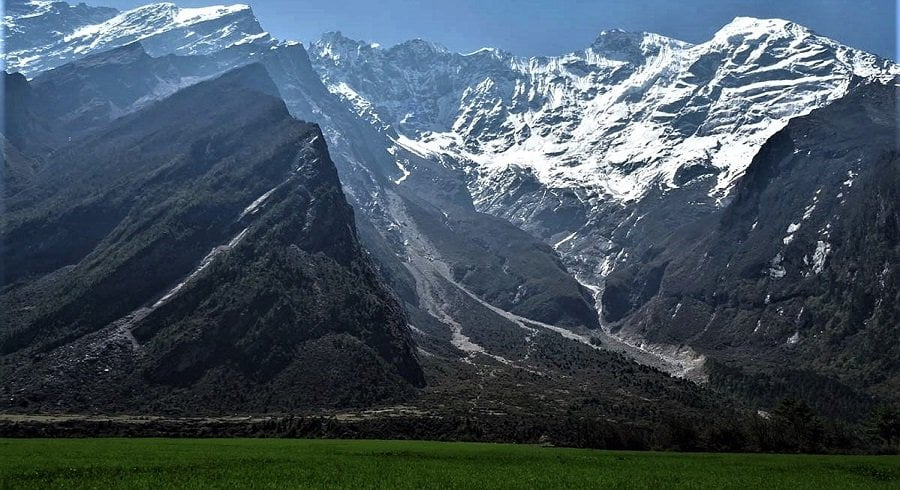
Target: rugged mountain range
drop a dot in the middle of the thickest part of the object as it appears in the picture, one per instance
(613, 153)
(559, 146)
(168, 344)
(515, 206)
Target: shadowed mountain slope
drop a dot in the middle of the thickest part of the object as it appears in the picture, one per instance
(197, 255)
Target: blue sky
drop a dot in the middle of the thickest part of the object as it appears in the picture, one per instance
(532, 27)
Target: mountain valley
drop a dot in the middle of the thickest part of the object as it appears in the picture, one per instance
(640, 228)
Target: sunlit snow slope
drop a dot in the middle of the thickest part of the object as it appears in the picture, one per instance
(618, 117)
(44, 34)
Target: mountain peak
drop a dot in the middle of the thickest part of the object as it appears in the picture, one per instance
(616, 31)
(337, 41)
(630, 45)
(336, 37)
(618, 36)
(755, 27)
(419, 47)
(337, 46)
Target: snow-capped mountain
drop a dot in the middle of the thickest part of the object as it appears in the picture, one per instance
(625, 114)
(601, 149)
(45, 34)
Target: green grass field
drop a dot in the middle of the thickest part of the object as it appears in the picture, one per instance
(268, 463)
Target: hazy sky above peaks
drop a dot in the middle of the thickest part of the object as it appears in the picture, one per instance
(532, 27)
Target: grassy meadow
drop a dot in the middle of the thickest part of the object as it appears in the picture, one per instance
(281, 463)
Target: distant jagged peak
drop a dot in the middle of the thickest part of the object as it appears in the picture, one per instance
(336, 41)
(342, 49)
(337, 38)
(335, 45)
(419, 47)
(622, 37)
(632, 46)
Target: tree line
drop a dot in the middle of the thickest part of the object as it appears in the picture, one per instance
(792, 427)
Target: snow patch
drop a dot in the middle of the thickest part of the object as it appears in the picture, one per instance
(777, 271)
(565, 240)
(406, 173)
(790, 233)
(793, 339)
(254, 206)
(820, 256)
(188, 16)
(204, 264)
